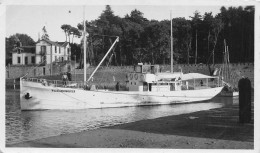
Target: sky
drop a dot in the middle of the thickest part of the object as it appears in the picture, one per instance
(30, 19)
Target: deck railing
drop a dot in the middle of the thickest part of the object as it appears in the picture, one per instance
(75, 84)
(111, 86)
(57, 83)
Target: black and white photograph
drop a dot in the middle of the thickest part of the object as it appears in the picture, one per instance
(114, 75)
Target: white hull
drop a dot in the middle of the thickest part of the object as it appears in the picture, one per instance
(48, 97)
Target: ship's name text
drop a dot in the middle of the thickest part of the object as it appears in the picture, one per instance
(58, 90)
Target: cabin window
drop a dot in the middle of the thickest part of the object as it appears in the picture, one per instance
(145, 86)
(172, 87)
(152, 69)
(150, 86)
(59, 49)
(55, 49)
(146, 69)
(138, 68)
(18, 60)
(163, 83)
(131, 83)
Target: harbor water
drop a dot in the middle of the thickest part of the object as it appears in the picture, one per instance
(30, 125)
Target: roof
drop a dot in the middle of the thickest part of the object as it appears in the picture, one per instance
(49, 41)
(191, 76)
(25, 49)
(169, 75)
(62, 44)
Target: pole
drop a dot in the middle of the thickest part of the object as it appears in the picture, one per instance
(196, 48)
(171, 45)
(84, 36)
(50, 59)
(75, 67)
(117, 39)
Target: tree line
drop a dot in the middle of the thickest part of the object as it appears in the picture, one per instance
(199, 39)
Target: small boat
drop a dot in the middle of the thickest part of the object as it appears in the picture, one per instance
(229, 94)
(227, 79)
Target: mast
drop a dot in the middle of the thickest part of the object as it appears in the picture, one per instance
(171, 45)
(84, 43)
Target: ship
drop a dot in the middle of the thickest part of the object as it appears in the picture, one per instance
(145, 85)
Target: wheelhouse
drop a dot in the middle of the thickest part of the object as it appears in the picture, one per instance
(149, 78)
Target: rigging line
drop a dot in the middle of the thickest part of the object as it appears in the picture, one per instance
(33, 68)
(77, 99)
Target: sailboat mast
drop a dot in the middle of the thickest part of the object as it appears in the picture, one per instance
(85, 46)
(171, 45)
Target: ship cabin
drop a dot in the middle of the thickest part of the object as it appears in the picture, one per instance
(148, 78)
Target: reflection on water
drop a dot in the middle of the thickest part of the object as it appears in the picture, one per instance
(30, 125)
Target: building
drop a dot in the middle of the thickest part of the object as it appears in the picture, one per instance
(48, 51)
(45, 52)
(23, 55)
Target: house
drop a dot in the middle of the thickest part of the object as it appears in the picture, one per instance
(45, 52)
(48, 51)
(23, 55)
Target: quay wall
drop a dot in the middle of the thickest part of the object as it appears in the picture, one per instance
(117, 73)
(16, 71)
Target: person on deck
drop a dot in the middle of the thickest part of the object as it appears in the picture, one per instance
(117, 86)
(64, 78)
(69, 76)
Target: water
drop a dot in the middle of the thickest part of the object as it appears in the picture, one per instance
(30, 125)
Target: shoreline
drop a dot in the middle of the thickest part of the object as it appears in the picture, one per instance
(211, 129)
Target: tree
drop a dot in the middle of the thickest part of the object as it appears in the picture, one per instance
(74, 32)
(198, 39)
(196, 22)
(66, 28)
(217, 25)
(182, 35)
(136, 16)
(15, 40)
(238, 31)
(207, 26)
